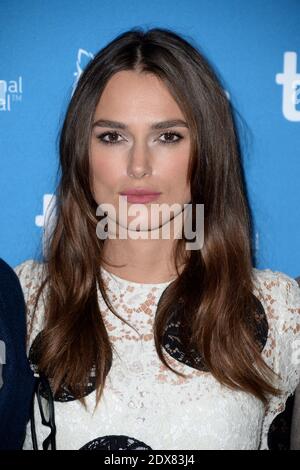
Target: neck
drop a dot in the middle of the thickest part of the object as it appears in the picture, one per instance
(146, 261)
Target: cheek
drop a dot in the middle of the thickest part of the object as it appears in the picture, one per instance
(176, 173)
(106, 175)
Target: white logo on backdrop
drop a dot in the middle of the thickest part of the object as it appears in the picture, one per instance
(47, 218)
(290, 81)
(10, 92)
(83, 57)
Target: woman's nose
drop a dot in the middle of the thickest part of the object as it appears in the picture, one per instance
(139, 161)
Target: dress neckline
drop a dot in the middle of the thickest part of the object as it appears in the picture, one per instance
(126, 282)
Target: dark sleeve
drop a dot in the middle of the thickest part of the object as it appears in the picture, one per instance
(295, 431)
(18, 379)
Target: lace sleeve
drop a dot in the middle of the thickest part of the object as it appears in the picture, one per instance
(30, 274)
(282, 351)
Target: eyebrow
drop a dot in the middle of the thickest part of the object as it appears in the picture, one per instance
(155, 125)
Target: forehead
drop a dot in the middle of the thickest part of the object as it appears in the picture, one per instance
(130, 95)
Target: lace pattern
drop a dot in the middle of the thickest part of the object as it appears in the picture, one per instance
(281, 297)
(146, 402)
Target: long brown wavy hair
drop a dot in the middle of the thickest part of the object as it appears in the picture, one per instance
(216, 283)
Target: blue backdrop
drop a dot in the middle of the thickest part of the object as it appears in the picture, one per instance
(253, 45)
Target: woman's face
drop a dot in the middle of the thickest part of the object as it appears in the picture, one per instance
(139, 156)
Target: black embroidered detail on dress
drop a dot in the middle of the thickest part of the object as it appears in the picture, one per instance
(63, 394)
(173, 344)
(115, 443)
(260, 324)
(280, 430)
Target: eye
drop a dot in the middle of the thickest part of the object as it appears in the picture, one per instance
(114, 134)
(171, 134)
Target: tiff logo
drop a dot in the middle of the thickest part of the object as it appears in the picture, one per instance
(290, 81)
(10, 91)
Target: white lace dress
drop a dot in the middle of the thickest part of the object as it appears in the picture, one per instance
(145, 405)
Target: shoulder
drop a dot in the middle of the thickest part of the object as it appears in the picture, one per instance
(31, 275)
(29, 269)
(273, 280)
(9, 282)
(12, 311)
(280, 297)
(7, 273)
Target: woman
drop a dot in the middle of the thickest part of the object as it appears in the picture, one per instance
(147, 344)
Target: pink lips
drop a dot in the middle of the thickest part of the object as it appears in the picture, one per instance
(141, 195)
